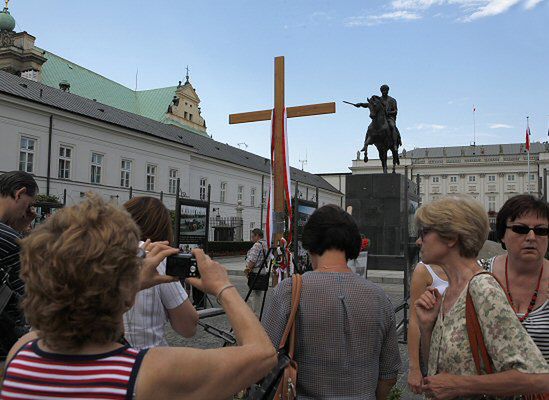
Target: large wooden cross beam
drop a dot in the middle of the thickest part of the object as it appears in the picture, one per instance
(265, 115)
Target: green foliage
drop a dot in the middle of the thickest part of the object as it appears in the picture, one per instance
(45, 198)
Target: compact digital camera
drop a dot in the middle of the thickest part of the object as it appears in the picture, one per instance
(182, 265)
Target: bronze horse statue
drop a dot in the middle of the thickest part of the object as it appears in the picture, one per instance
(379, 134)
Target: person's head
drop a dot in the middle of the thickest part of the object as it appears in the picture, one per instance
(257, 234)
(17, 192)
(81, 274)
(331, 228)
(384, 90)
(452, 222)
(152, 217)
(517, 213)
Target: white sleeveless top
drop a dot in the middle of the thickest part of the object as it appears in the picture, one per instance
(440, 284)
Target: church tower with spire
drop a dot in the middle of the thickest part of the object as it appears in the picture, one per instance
(17, 52)
(185, 106)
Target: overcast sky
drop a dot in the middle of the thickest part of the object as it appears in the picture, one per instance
(440, 57)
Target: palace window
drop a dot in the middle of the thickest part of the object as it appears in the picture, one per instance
(151, 177)
(491, 203)
(252, 197)
(240, 193)
(65, 155)
(453, 179)
(223, 192)
(203, 185)
(125, 173)
(511, 177)
(96, 168)
(26, 154)
(491, 178)
(472, 178)
(436, 179)
(532, 177)
(172, 181)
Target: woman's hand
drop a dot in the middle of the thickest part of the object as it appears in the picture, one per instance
(427, 308)
(156, 252)
(441, 386)
(213, 276)
(415, 380)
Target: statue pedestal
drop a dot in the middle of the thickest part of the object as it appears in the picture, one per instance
(383, 205)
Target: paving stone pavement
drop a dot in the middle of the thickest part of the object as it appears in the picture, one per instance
(205, 340)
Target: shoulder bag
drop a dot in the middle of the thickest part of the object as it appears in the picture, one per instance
(281, 382)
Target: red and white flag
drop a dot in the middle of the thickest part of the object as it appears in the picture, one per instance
(287, 181)
(528, 139)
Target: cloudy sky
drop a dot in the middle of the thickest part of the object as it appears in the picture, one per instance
(440, 58)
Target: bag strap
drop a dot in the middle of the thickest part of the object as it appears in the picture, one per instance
(476, 339)
(296, 293)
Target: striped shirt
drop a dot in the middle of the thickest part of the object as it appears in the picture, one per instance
(537, 322)
(36, 374)
(9, 262)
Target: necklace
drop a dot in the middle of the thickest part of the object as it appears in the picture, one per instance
(534, 296)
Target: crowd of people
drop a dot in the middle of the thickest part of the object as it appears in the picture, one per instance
(88, 301)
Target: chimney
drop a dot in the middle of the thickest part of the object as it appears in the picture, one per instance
(65, 86)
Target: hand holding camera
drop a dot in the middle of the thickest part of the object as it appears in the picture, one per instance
(149, 276)
(213, 276)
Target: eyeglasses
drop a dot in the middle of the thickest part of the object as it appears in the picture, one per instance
(423, 231)
(525, 230)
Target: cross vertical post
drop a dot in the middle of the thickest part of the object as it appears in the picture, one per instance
(278, 129)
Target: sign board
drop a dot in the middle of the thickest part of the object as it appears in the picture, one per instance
(303, 209)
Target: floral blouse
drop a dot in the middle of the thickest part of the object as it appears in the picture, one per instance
(508, 344)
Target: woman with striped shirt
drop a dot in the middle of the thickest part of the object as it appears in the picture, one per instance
(522, 227)
(82, 269)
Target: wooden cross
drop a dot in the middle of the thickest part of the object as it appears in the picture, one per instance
(265, 115)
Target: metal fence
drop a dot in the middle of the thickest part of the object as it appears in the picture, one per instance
(226, 229)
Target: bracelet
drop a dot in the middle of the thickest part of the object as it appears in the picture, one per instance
(218, 297)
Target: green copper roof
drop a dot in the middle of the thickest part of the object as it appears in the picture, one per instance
(151, 104)
(7, 23)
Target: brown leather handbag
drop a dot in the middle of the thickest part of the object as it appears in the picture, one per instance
(287, 389)
(478, 347)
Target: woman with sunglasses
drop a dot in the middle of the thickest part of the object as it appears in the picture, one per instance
(453, 229)
(522, 228)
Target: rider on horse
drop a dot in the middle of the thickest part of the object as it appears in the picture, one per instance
(390, 106)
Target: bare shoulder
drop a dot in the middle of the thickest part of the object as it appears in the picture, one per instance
(421, 274)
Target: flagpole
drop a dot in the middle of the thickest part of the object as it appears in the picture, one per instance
(474, 127)
(528, 149)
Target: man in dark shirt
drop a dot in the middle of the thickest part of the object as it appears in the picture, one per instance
(17, 193)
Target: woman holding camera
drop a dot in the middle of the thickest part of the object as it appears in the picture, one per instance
(144, 323)
(82, 272)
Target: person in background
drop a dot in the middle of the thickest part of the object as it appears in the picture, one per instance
(346, 345)
(424, 276)
(452, 230)
(18, 190)
(522, 227)
(144, 323)
(255, 264)
(82, 269)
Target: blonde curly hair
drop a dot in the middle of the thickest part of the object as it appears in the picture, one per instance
(81, 274)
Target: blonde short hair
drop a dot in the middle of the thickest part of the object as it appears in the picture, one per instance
(460, 218)
(81, 273)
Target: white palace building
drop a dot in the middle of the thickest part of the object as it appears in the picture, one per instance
(77, 131)
(490, 173)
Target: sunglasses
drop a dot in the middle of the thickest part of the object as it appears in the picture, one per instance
(525, 230)
(423, 231)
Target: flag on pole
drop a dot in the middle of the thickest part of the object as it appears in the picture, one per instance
(528, 139)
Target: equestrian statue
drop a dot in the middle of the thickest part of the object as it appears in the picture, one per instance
(382, 131)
